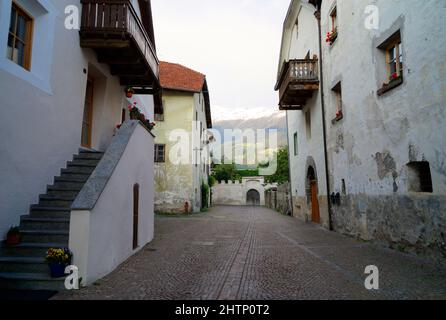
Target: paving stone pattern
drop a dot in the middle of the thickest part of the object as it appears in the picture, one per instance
(255, 253)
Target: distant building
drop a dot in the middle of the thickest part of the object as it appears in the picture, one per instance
(250, 191)
(180, 186)
(381, 92)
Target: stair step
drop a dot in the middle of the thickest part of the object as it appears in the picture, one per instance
(77, 170)
(60, 236)
(78, 179)
(30, 281)
(33, 223)
(50, 212)
(68, 185)
(71, 168)
(85, 162)
(81, 164)
(23, 264)
(86, 151)
(47, 200)
(63, 191)
(29, 249)
(89, 156)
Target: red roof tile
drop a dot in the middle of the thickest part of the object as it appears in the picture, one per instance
(177, 77)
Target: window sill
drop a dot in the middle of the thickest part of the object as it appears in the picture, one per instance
(392, 85)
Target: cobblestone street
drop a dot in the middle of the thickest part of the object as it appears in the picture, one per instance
(255, 253)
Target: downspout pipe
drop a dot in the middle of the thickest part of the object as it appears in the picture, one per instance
(289, 167)
(317, 14)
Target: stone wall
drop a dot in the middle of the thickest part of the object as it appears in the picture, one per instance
(414, 223)
(234, 193)
(279, 199)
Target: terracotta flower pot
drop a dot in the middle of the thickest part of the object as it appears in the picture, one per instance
(129, 94)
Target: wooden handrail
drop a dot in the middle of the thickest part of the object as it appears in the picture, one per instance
(304, 69)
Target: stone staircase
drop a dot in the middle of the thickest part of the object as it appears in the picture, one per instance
(23, 267)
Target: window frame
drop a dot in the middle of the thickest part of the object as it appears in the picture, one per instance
(157, 158)
(27, 41)
(396, 44)
(334, 19)
(296, 144)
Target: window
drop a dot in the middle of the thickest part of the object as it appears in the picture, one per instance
(160, 153)
(334, 19)
(20, 37)
(344, 188)
(394, 65)
(394, 58)
(296, 151)
(333, 33)
(308, 124)
(337, 91)
(419, 177)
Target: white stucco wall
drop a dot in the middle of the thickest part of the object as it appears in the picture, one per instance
(101, 239)
(42, 110)
(301, 37)
(411, 116)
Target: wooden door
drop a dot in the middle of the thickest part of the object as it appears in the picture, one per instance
(87, 122)
(315, 214)
(135, 215)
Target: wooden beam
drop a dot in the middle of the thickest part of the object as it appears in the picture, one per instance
(129, 70)
(291, 108)
(146, 81)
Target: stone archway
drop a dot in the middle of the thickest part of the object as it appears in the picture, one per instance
(253, 198)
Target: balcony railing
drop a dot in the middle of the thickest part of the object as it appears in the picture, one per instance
(297, 82)
(115, 25)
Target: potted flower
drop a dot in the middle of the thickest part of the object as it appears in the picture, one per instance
(129, 92)
(58, 260)
(394, 77)
(332, 36)
(13, 236)
(134, 111)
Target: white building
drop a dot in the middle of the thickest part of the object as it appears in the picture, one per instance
(63, 90)
(299, 58)
(383, 90)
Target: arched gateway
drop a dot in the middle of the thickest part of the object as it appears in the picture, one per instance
(253, 198)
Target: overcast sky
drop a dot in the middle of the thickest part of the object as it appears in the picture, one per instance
(235, 43)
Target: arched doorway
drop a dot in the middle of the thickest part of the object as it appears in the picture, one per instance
(253, 198)
(313, 194)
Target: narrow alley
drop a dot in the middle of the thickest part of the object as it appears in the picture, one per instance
(254, 253)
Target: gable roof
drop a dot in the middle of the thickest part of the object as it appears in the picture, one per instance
(177, 77)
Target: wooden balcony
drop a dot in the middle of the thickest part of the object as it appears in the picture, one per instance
(114, 30)
(297, 83)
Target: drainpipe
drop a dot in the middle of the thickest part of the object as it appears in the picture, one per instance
(317, 14)
(289, 166)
